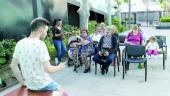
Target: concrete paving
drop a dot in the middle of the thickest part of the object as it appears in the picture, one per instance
(158, 83)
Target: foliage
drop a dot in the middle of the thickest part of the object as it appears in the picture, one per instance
(69, 28)
(72, 30)
(92, 26)
(50, 46)
(165, 19)
(117, 22)
(49, 41)
(6, 50)
(164, 4)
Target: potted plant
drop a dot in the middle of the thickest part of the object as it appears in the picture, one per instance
(164, 23)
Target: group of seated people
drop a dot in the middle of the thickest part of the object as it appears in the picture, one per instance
(103, 44)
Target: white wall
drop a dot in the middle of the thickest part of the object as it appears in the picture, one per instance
(97, 5)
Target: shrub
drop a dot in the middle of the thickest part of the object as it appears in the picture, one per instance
(165, 19)
(117, 22)
(50, 47)
(6, 50)
(92, 26)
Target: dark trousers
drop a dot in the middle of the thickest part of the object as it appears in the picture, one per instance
(98, 59)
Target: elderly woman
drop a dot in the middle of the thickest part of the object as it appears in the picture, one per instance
(107, 49)
(85, 49)
(135, 38)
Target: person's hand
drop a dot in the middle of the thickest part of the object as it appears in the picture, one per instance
(61, 66)
(73, 45)
(106, 53)
(22, 84)
(100, 53)
(62, 92)
(79, 43)
(61, 34)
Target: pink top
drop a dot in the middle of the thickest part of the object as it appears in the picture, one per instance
(135, 39)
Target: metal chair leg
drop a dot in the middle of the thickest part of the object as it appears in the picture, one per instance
(145, 64)
(95, 68)
(123, 68)
(163, 61)
(114, 67)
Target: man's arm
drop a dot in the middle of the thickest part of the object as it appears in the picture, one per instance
(16, 70)
(50, 69)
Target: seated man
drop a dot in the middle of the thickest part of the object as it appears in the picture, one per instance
(31, 60)
(107, 48)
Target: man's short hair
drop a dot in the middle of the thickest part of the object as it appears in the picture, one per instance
(38, 22)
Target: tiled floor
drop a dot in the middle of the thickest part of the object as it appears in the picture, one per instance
(158, 84)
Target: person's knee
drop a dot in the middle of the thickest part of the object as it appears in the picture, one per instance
(96, 58)
(110, 59)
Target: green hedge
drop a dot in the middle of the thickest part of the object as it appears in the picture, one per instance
(92, 26)
(165, 19)
(7, 47)
(117, 22)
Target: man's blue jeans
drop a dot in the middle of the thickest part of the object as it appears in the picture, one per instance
(61, 48)
(53, 86)
(97, 58)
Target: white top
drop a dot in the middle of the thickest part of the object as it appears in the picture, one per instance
(31, 52)
(152, 46)
(96, 37)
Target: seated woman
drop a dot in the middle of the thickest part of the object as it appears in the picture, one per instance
(134, 38)
(107, 48)
(96, 35)
(96, 38)
(84, 50)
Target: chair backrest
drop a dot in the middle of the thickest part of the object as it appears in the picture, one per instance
(163, 38)
(122, 38)
(160, 43)
(135, 50)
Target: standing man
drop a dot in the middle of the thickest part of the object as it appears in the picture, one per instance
(58, 40)
(30, 62)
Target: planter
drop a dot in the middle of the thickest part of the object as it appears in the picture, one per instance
(163, 25)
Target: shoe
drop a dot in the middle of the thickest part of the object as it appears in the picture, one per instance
(102, 72)
(56, 61)
(87, 70)
(106, 70)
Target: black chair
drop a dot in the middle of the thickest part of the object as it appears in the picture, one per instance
(161, 50)
(163, 38)
(122, 40)
(134, 54)
(116, 59)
